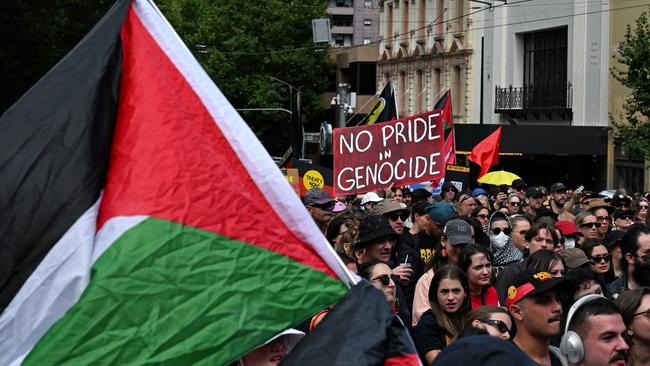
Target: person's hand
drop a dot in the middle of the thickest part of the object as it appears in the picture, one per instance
(404, 274)
(390, 193)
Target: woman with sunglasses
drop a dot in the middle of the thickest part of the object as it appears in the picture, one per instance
(482, 214)
(503, 252)
(623, 220)
(588, 225)
(634, 306)
(441, 324)
(476, 261)
(513, 204)
(494, 320)
(598, 252)
(379, 274)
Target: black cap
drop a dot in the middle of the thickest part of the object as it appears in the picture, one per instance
(519, 183)
(531, 282)
(449, 185)
(372, 228)
(557, 187)
(621, 213)
(621, 198)
(534, 192)
(483, 350)
(614, 238)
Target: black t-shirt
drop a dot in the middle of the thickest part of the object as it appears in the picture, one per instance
(425, 245)
(428, 336)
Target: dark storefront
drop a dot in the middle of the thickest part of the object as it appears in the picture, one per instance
(546, 154)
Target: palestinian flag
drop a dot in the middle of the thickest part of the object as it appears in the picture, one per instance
(143, 222)
(444, 105)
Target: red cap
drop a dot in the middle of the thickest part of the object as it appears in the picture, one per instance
(566, 227)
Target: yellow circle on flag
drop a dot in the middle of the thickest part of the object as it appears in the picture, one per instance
(313, 179)
(512, 292)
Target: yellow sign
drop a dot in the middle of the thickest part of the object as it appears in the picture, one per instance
(458, 168)
(292, 176)
(313, 179)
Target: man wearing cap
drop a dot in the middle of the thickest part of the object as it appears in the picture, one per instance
(621, 201)
(439, 213)
(537, 312)
(319, 204)
(534, 199)
(520, 186)
(448, 191)
(635, 263)
(558, 203)
(369, 201)
(603, 213)
(455, 236)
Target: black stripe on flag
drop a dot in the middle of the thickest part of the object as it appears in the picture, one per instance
(361, 330)
(55, 146)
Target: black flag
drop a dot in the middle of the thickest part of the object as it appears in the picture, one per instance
(386, 107)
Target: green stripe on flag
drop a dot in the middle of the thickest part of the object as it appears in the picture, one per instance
(169, 294)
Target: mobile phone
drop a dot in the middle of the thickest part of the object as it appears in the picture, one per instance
(503, 188)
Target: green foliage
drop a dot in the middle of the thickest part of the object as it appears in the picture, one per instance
(632, 127)
(248, 42)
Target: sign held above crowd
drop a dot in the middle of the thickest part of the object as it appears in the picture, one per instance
(403, 151)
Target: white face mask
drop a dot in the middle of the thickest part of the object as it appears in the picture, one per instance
(500, 240)
(569, 243)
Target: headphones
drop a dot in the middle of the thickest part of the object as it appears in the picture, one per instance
(571, 344)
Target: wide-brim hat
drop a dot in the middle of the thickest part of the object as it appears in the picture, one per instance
(371, 228)
(597, 203)
(574, 258)
(388, 206)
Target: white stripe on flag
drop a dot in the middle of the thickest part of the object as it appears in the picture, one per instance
(253, 156)
(50, 291)
(57, 283)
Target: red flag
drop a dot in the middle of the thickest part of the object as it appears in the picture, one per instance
(486, 152)
(444, 105)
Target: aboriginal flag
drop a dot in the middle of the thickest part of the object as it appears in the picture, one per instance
(386, 107)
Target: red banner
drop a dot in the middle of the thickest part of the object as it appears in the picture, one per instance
(403, 151)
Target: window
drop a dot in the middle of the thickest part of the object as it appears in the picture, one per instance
(402, 93)
(367, 22)
(339, 40)
(457, 99)
(367, 41)
(344, 3)
(367, 4)
(545, 68)
(342, 20)
(419, 90)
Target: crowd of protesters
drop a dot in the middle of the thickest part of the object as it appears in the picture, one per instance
(561, 276)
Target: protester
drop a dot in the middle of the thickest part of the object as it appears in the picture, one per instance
(483, 350)
(418, 231)
(603, 213)
(585, 282)
(319, 204)
(613, 241)
(558, 200)
(449, 192)
(635, 261)
(481, 197)
(534, 199)
(503, 253)
(623, 219)
(641, 211)
(439, 213)
(520, 226)
(534, 305)
(594, 333)
(273, 351)
(336, 229)
(547, 261)
(456, 235)
(449, 305)
(588, 225)
(379, 274)
(575, 258)
(369, 201)
(621, 202)
(476, 261)
(494, 320)
(569, 232)
(466, 204)
(482, 214)
(421, 195)
(395, 212)
(520, 186)
(406, 195)
(513, 204)
(634, 306)
(598, 252)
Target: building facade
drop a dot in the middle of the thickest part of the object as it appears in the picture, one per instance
(354, 22)
(427, 47)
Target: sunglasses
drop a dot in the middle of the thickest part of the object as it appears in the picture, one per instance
(383, 279)
(515, 203)
(325, 206)
(501, 326)
(625, 217)
(590, 225)
(450, 190)
(483, 216)
(646, 313)
(497, 231)
(401, 216)
(601, 258)
(602, 218)
(621, 205)
(643, 207)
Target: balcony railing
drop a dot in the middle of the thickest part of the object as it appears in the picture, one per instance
(533, 99)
